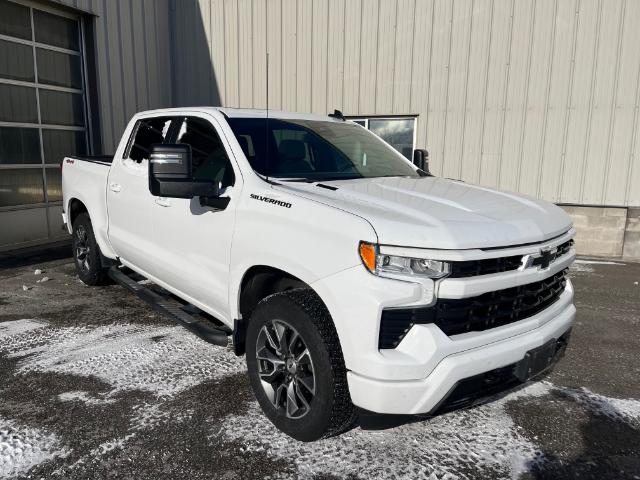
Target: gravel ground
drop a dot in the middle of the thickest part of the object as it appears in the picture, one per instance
(95, 384)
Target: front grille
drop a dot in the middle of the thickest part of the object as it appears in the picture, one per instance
(489, 310)
(473, 268)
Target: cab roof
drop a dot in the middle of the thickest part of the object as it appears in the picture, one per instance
(247, 113)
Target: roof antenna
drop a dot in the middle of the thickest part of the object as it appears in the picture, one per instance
(338, 114)
(266, 128)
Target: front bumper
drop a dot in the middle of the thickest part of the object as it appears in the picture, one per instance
(426, 394)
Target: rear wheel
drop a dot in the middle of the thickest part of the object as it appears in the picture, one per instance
(86, 253)
(296, 366)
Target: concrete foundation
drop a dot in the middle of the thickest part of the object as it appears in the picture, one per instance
(606, 232)
(631, 247)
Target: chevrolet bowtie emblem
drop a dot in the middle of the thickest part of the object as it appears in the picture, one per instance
(545, 259)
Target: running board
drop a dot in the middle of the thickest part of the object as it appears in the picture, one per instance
(202, 328)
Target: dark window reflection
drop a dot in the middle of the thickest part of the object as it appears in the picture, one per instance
(15, 20)
(18, 104)
(61, 108)
(54, 184)
(61, 143)
(55, 30)
(16, 61)
(19, 145)
(21, 187)
(56, 68)
(397, 132)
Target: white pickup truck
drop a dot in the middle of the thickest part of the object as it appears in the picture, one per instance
(352, 279)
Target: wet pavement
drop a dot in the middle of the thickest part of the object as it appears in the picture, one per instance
(95, 384)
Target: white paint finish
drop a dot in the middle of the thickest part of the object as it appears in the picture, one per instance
(440, 213)
(193, 256)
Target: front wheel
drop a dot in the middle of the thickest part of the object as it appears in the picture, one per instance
(86, 253)
(296, 366)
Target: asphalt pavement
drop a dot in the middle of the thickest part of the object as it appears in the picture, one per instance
(95, 384)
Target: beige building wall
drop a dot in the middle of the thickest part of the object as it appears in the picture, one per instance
(535, 96)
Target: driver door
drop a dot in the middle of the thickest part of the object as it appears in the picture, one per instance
(194, 242)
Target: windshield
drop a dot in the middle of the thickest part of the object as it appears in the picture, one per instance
(316, 150)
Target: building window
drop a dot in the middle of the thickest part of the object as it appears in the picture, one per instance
(399, 132)
(43, 113)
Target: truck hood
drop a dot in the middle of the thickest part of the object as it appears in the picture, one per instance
(432, 212)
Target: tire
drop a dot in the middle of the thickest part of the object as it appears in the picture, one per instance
(86, 253)
(329, 410)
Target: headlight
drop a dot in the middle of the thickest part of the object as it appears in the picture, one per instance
(393, 265)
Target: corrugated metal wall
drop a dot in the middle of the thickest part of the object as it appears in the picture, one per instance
(132, 40)
(537, 96)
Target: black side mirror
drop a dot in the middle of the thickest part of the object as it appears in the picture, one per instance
(421, 159)
(170, 173)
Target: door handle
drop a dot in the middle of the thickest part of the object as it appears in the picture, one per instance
(114, 187)
(163, 201)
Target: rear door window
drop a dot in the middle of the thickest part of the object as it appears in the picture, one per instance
(146, 133)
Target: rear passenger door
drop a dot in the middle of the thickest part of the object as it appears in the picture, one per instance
(194, 242)
(129, 202)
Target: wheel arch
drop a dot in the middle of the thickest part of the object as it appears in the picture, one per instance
(257, 283)
(76, 207)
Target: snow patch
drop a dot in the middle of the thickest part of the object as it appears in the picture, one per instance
(626, 410)
(149, 416)
(18, 327)
(580, 268)
(85, 397)
(598, 262)
(463, 444)
(22, 448)
(123, 355)
(111, 445)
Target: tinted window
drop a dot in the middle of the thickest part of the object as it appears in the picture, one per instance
(15, 20)
(19, 145)
(60, 143)
(61, 108)
(16, 61)
(146, 133)
(209, 157)
(317, 150)
(56, 68)
(56, 30)
(18, 104)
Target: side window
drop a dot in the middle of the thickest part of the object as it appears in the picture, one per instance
(210, 160)
(146, 133)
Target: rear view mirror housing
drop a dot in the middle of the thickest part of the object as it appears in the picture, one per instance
(421, 159)
(171, 173)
